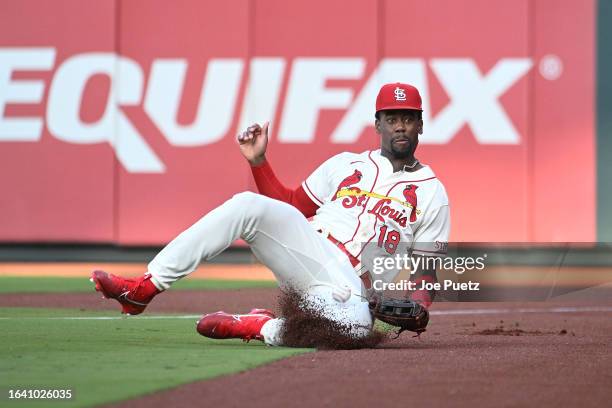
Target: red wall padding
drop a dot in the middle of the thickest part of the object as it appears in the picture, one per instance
(117, 118)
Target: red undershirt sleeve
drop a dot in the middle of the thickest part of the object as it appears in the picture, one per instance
(424, 296)
(270, 186)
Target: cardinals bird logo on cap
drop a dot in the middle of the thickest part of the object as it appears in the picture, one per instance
(400, 95)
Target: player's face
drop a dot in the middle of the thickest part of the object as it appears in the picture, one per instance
(399, 132)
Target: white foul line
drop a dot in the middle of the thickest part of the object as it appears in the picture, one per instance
(508, 311)
(603, 309)
(107, 317)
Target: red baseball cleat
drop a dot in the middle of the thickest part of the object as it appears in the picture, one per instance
(263, 311)
(221, 325)
(133, 294)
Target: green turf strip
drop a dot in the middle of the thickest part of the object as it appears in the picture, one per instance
(14, 284)
(110, 360)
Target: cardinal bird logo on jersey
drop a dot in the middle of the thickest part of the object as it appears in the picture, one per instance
(348, 181)
(411, 198)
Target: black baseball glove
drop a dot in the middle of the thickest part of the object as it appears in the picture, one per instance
(403, 313)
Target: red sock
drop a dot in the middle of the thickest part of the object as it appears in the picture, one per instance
(145, 291)
(422, 296)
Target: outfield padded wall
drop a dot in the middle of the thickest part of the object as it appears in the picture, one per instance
(124, 132)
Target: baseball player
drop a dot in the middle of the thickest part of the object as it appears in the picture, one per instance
(378, 198)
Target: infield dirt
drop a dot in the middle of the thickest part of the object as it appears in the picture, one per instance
(560, 357)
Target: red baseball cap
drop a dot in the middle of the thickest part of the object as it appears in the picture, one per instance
(398, 96)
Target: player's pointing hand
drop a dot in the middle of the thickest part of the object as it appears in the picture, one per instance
(253, 143)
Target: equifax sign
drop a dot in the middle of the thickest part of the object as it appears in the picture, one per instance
(473, 99)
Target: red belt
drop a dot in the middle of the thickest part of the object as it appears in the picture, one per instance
(354, 261)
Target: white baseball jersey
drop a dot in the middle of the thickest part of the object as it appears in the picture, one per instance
(363, 201)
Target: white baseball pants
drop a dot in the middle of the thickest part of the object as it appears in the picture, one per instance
(283, 240)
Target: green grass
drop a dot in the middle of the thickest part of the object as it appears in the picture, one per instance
(15, 284)
(109, 360)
